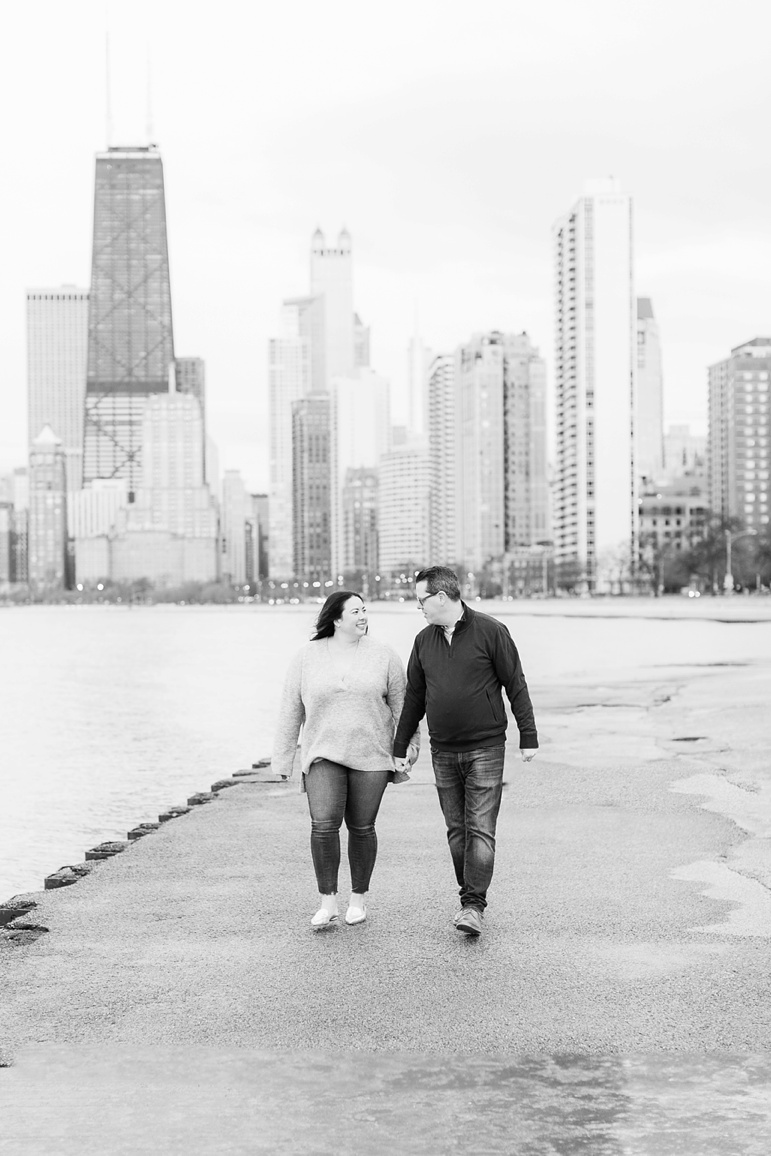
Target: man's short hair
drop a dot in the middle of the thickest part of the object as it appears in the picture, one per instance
(439, 578)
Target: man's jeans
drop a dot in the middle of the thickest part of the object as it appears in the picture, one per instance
(336, 792)
(470, 784)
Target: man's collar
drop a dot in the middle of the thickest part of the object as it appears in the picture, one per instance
(458, 621)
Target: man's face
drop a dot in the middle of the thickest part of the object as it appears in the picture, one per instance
(433, 605)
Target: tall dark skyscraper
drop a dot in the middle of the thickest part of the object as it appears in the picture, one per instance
(130, 338)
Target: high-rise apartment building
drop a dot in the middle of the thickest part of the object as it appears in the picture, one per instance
(360, 522)
(738, 442)
(47, 511)
(442, 453)
(130, 340)
(649, 421)
(500, 423)
(57, 350)
(256, 538)
(233, 516)
(312, 483)
(404, 507)
(595, 485)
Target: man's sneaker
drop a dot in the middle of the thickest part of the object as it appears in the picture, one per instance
(469, 921)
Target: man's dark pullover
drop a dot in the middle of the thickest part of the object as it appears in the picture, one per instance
(458, 687)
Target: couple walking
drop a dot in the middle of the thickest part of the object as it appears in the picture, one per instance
(360, 720)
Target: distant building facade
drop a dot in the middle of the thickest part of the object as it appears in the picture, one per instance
(684, 452)
(500, 425)
(169, 533)
(360, 422)
(595, 508)
(57, 351)
(47, 547)
(738, 442)
(360, 521)
(312, 480)
(289, 380)
(443, 463)
(405, 482)
(233, 516)
(130, 337)
(674, 515)
(190, 380)
(649, 422)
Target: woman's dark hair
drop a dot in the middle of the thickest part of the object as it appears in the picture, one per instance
(330, 612)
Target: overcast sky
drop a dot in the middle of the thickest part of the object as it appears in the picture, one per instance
(446, 136)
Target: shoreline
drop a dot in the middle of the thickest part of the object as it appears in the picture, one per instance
(738, 608)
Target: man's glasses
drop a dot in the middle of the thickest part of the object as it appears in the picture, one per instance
(420, 601)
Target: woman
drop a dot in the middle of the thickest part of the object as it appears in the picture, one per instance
(345, 691)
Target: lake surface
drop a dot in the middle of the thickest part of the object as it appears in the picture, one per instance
(108, 714)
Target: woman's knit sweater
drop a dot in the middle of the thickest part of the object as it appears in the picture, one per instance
(348, 718)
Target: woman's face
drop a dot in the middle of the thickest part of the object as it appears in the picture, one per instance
(352, 623)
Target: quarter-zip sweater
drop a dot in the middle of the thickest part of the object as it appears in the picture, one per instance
(457, 686)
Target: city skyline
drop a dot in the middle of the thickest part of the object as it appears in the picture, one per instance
(409, 153)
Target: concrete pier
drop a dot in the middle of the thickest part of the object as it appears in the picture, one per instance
(622, 973)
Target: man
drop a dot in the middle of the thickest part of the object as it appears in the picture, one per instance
(454, 676)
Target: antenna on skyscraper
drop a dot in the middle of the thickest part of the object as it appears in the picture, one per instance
(150, 129)
(108, 98)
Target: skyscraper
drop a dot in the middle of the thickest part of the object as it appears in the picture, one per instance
(321, 340)
(500, 424)
(312, 515)
(47, 511)
(442, 453)
(403, 513)
(234, 513)
(738, 442)
(360, 522)
(190, 380)
(289, 379)
(332, 283)
(595, 490)
(57, 349)
(130, 340)
(649, 423)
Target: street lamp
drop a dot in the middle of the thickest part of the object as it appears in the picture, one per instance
(728, 581)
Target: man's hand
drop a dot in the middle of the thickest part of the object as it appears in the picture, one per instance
(527, 755)
(402, 765)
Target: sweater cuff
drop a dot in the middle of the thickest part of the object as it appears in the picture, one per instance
(400, 750)
(528, 741)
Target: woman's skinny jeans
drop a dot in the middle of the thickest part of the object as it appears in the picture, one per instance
(336, 793)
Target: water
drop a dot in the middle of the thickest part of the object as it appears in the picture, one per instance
(108, 714)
